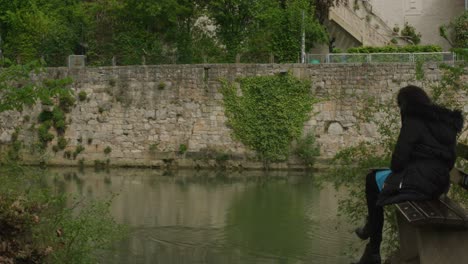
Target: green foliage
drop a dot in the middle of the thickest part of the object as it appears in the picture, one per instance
(13, 152)
(419, 70)
(395, 49)
(67, 154)
(55, 148)
(153, 148)
(286, 29)
(456, 33)
(66, 101)
(182, 148)
(448, 91)
(107, 150)
(161, 85)
(161, 32)
(35, 225)
(307, 149)
(269, 114)
(78, 150)
(44, 135)
(45, 115)
(62, 143)
(18, 91)
(58, 117)
(42, 227)
(337, 50)
(82, 96)
(409, 33)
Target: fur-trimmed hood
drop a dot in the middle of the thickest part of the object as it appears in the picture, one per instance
(453, 118)
(442, 122)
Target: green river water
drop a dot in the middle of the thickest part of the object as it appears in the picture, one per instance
(217, 217)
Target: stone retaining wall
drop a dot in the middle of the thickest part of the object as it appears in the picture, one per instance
(148, 114)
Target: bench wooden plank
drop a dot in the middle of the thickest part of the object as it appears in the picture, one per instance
(456, 208)
(410, 212)
(437, 212)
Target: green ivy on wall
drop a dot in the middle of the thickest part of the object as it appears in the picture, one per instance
(268, 112)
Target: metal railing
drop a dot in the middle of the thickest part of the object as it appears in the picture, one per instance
(381, 57)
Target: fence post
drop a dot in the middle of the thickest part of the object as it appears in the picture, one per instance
(411, 57)
(238, 58)
(143, 60)
(272, 58)
(114, 61)
(369, 57)
(328, 58)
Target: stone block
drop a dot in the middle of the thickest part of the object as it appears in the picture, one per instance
(335, 128)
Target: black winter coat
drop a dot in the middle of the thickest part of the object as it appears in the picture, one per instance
(424, 154)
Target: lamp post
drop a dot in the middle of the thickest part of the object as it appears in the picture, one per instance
(303, 39)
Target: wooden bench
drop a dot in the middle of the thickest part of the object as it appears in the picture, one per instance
(435, 232)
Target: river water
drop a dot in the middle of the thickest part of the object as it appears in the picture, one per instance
(216, 216)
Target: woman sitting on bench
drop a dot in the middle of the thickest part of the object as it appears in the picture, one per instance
(421, 161)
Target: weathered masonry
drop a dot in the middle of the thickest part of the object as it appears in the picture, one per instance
(173, 114)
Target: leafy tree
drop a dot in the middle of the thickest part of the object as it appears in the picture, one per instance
(456, 33)
(233, 20)
(164, 31)
(409, 33)
(17, 91)
(37, 28)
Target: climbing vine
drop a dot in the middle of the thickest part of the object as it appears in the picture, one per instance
(267, 112)
(54, 114)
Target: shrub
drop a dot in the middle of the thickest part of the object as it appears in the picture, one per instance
(409, 32)
(62, 143)
(41, 226)
(45, 116)
(182, 148)
(107, 150)
(66, 102)
(44, 135)
(307, 149)
(82, 96)
(161, 85)
(78, 150)
(394, 49)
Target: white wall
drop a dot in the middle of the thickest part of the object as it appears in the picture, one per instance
(425, 15)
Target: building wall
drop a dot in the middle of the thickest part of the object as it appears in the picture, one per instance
(145, 113)
(425, 15)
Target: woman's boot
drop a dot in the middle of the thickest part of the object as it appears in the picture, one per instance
(370, 256)
(364, 231)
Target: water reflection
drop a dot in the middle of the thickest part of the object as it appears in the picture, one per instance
(216, 217)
